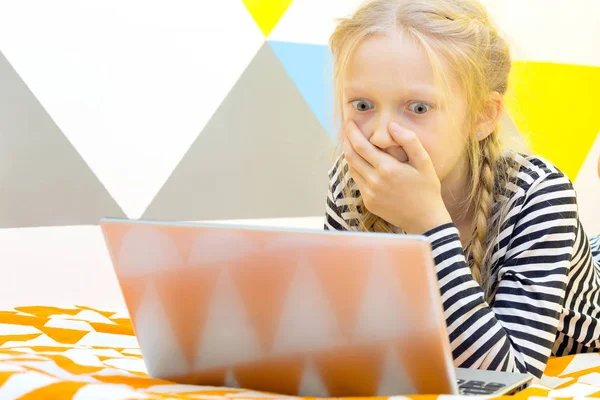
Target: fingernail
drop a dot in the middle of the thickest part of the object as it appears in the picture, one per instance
(396, 128)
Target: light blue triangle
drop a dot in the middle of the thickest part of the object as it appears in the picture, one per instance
(310, 67)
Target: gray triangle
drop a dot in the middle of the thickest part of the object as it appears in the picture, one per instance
(43, 179)
(263, 154)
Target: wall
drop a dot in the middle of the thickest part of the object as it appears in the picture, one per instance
(218, 110)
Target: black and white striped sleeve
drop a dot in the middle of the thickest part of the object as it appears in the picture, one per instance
(595, 245)
(334, 211)
(517, 332)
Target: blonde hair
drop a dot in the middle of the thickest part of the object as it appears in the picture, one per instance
(459, 34)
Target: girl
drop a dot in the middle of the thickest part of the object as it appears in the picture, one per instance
(420, 87)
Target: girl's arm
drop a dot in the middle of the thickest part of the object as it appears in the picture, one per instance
(518, 331)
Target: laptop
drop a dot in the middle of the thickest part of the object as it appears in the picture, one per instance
(291, 312)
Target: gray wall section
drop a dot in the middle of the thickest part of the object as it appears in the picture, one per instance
(262, 155)
(43, 179)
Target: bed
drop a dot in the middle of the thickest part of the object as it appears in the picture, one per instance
(85, 353)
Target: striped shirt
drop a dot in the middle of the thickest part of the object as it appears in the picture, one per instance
(545, 274)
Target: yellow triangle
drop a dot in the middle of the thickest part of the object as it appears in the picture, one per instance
(267, 13)
(556, 107)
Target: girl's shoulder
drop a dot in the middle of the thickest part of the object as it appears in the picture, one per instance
(532, 166)
(528, 171)
(535, 177)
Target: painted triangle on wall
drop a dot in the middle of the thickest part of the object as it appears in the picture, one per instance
(555, 106)
(44, 180)
(310, 67)
(262, 155)
(267, 13)
(131, 100)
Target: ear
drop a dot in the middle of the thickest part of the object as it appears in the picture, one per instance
(490, 117)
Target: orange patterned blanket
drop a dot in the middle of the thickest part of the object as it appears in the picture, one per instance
(82, 353)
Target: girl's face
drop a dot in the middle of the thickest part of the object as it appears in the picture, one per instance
(390, 78)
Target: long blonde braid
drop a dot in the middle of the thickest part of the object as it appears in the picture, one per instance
(478, 248)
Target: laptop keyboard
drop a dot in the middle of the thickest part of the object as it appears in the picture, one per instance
(478, 387)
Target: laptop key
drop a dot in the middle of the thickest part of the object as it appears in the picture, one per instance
(477, 390)
(477, 384)
(495, 385)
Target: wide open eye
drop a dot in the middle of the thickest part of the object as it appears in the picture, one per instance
(419, 108)
(362, 105)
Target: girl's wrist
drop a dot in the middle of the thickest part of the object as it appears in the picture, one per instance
(429, 221)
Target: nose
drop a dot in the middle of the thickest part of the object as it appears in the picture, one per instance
(380, 136)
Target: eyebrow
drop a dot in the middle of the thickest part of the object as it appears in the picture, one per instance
(411, 91)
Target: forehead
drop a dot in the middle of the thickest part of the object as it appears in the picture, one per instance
(390, 63)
